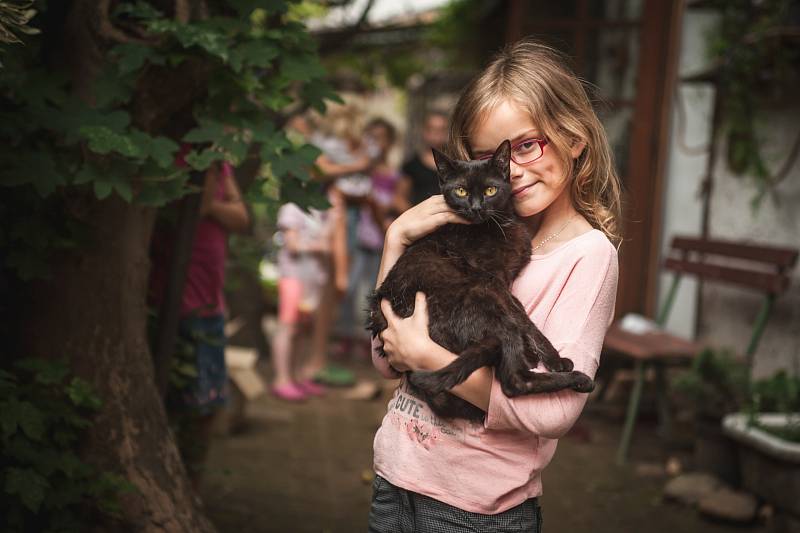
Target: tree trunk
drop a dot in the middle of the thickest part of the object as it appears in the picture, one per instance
(93, 313)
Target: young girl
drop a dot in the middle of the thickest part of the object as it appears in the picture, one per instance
(303, 266)
(373, 219)
(453, 475)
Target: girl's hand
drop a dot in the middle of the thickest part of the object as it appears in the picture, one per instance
(405, 340)
(420, 220)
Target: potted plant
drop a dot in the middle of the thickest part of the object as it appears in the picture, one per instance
(714, 386)
(768, 437)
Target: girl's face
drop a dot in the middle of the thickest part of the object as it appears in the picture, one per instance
(538, 184)
(382, 138)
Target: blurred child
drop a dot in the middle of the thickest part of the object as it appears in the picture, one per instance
(345, 160)
(373, 219)
(303, 264)
(194, 405)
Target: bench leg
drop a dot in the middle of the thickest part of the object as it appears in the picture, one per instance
(633, 411)
(662, 403)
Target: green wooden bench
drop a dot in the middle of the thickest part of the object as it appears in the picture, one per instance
(761, 268)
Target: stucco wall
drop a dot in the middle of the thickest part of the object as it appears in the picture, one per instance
(728, 313)
(686, 164)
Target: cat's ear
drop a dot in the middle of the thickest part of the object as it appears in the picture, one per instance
(502, 158)
(444, 165)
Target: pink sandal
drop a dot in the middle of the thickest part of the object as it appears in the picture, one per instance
(289, 393)
(311, 389)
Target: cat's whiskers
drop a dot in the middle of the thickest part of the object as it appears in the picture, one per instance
(500, 227)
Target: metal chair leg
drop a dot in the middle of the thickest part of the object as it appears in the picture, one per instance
(662, 403)
(633, 410)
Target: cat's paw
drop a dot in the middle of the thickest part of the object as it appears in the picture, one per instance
(562, 364)
(581, 382)
(515, 386)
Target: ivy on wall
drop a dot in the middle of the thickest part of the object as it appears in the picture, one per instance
(756, 50)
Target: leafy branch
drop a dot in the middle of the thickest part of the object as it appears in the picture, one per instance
(220, 83)
(757, 57)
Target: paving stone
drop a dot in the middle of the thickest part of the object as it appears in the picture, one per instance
(690, 488)
(728, 504)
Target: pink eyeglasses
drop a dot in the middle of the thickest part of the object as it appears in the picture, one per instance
(524, 152)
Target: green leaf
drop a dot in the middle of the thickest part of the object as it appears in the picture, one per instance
(102, 189)
(102, 140)
(139, 9)
(234, 147)
(317, 93)
(297, 162)
(160, 149)
(208, 131)
(204, 36)
(304, 67)
(86, 174)
(305, 194)
(187, 369)
(131, 57)
(157, 193)
(44, 371)
(82, 394)
(123, 189)
(37, 169)
(109, 89)
(8, 418)
(30, 419)
(201, 161)
(259, 53)
(246, 7)
(28, 484)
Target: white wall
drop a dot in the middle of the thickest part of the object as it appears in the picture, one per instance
(729, 313)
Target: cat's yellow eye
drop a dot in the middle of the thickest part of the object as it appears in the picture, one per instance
(490, 191)
(461, 192)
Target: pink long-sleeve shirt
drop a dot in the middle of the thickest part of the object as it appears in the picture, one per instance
(569, 293)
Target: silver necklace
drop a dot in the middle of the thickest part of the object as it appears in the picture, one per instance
(554, 235)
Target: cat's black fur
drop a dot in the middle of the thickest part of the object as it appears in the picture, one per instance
(466, 271)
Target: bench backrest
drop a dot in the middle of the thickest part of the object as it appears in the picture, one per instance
(764, 268)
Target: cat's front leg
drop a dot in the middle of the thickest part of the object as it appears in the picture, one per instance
(537, 346)
(485, 352)
(544, 351)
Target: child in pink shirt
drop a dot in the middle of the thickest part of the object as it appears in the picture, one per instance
(456, 475)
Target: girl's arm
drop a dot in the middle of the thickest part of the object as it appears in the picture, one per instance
(231, 212)
(409, 347)
(402, 195)
(332, 170)
(295, 245)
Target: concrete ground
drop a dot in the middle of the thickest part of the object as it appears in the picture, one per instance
(306, 468)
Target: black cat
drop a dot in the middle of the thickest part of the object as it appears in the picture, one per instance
(466, 271)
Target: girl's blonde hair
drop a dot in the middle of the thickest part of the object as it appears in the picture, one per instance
(536, 77)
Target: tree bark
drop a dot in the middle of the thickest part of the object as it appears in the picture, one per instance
(93, 313)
